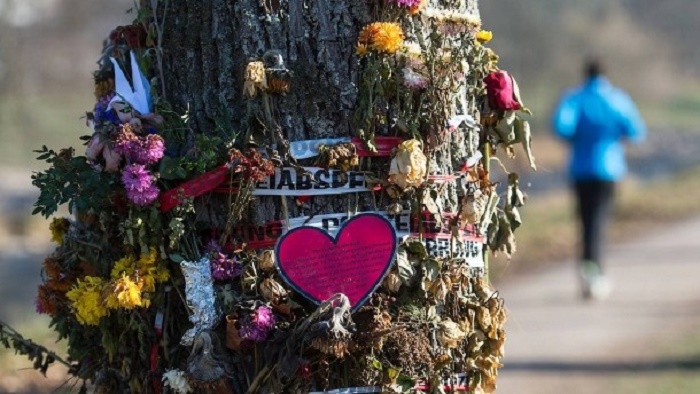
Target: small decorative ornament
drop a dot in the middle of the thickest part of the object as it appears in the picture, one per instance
(199, 291)
(353, 263)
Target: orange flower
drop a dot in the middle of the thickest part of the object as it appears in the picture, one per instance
(361, 49)
(385, 37)
(418, 7)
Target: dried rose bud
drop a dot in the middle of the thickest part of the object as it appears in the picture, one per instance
(392, 282)
(272, 291)
(255, 79)
(266, 260)
(409, 165)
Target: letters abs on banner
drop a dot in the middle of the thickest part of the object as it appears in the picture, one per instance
(289, 181)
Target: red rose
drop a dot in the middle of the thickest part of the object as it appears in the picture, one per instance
(499, 86)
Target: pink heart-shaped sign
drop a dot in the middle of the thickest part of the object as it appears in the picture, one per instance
(317, 265)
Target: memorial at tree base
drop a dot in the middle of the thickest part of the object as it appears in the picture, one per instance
(286, 197)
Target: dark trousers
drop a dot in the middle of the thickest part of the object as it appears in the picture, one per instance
(594, 202)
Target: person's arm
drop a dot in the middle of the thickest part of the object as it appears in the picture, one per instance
(633, 127)
(565, 118)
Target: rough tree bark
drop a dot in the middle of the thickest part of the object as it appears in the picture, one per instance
(207, 45)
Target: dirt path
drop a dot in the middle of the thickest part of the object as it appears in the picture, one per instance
(559, 344)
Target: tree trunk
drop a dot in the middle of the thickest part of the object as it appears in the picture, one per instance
(153, 260)
(207, 45)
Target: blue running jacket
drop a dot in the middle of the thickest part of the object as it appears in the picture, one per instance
(595, 119)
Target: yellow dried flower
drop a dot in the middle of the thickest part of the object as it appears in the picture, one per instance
(148, 269)
(361, 49)
(484, 36)
(409, 165)
(87, 300)
(126, 294)
(148, 259)
(103, 87)
(384, 37)
(255, 79)
(123, 266)
(151, 270)
(59, 227)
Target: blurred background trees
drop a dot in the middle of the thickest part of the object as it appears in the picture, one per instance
(48, 49)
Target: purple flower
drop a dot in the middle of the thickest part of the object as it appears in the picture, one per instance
(150, 149)
(127, 143)
(102, 115)
(406, 3)
(136, 177)
(264, 318)
(224, 268)
(144, 197)
(139, 186)
(213, 247)
(140, 150)
(260, 325)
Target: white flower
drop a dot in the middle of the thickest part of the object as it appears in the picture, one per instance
(177, 381)
(411, 48)
(414, 80)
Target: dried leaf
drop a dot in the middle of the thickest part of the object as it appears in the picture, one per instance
(505, 128)
(449, 334)
(473, 207)
(272, 291)
(489, 211)
(405, 269)
(524, 135)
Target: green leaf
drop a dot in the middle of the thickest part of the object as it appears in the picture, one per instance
(416, 248)
(405, 382)
(176, 258)
(377, 365)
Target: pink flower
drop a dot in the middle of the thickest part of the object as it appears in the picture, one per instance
(414, 80)
(224, 268)
(150, 149)
(139, 186)
(140, 150)
(406, 3)
(264, 318)
(259, 325)
(144, 197)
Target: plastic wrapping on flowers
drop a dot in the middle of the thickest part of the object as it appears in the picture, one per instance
(153, 289)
